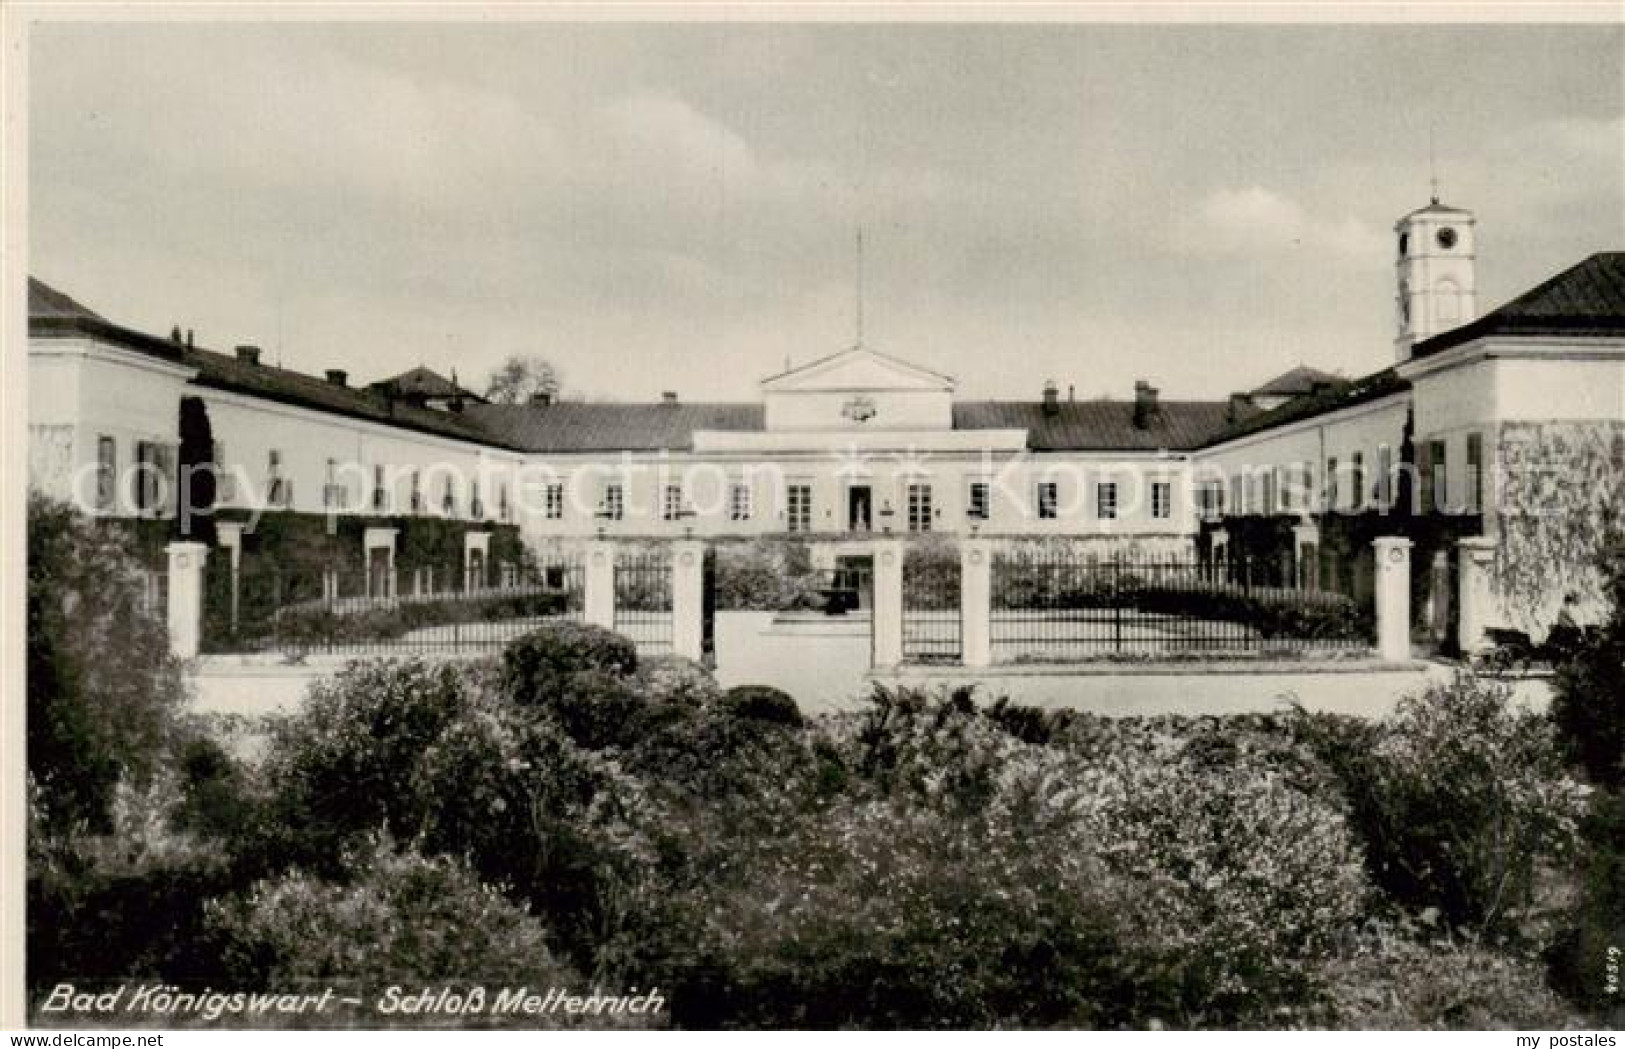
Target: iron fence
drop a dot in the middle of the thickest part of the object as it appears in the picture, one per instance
(1049, 608)
(375, 610)
(643, 609)
(932, 627)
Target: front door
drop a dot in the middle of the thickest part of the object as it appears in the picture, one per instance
(858, 502)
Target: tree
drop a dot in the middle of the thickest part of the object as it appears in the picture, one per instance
(518, 379)
(194, 518)
(103, 691)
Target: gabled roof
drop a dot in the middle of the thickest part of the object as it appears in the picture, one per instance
(1588, 298)
(1299, 380)
(1346, 394)
(226, 372)
(45, 301)
(607, 427)
(860, 359)
(57, 319)
(1097, 425)
(421, 382)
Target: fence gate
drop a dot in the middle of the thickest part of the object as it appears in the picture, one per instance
(1052, 607)
(643, 608)
(931, 609)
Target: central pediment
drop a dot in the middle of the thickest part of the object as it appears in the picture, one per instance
(858, 369)
(859, 389)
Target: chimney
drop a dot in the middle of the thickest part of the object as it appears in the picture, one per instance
(337, 376)
(248, 354)
(1051, 398)
(669, 397)
(189, 338)
(1071, 393)
(541, 397)
(1145, 405)
(1241, 406)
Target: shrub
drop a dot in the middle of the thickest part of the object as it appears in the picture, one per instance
(1394, 983)
(103, 691)
(1459, 798)
(872, 915)
(538, 668)
(766, 575)
(305, 627)
(675, 680)
(566, 828)
(1588, 707)
(401, 918)
(348, 763)
(761, 703)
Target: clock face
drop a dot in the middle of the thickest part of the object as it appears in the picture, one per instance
(1446, 238)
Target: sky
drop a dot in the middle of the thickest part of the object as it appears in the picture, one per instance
(674, 207)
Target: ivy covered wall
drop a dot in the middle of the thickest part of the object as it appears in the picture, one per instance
(1560, 494)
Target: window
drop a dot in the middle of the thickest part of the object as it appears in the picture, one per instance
(1433, 478)
(154, 466)
(1238, 495)
(1331, 482)
(1385, 477)
(1106, 500)
(1162, 499)
(1357, 480)
(448, 498)
(380, 498)
(614, 502)
(739, 502)
(504, 511)
(1269, 483)
(553, 501)
(1210, 499)
(225, 485)
(476, 506)
(919, 508)
(671, 503)
(334, 495)
(976, 502)
(278, 489)
(106, 472)
(1475, 472)
(1049, 499)
(798, 507)
(417, 491)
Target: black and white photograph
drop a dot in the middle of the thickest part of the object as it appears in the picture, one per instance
(835, 518)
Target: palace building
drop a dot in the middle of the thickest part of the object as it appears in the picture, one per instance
(860, 442)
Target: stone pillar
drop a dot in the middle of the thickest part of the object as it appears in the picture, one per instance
(1306, 555)
(380, 539)
(976, 602)
(1393, 597)
(887, 623)
(230, 534)
(688, 599)
(1474, 591)
(598, 602)
(186, 562)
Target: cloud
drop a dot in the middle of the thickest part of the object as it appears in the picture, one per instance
(657, 133)
(1255, 221)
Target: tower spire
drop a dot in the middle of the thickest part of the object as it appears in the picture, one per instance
(858, 295)
(1433, 167)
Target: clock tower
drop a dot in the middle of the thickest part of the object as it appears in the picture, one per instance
(1434, 267)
